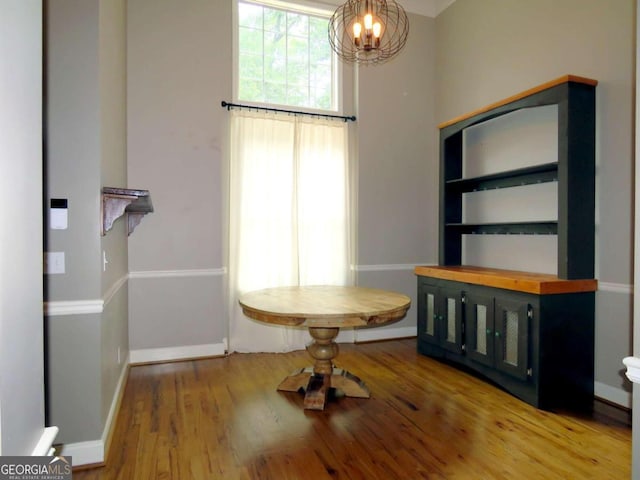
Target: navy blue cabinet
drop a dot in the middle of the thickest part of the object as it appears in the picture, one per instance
(540, 348)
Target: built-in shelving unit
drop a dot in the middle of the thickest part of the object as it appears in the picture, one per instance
(531, 333)
(574, 172)
(117, 202)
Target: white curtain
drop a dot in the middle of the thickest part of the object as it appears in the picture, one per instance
(288, 215)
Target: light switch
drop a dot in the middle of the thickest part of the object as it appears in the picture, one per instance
(53, 263)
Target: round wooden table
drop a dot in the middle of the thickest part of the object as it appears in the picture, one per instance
(324, 310)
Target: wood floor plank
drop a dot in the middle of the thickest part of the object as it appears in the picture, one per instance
(222, 418)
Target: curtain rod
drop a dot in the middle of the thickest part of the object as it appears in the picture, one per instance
(229, 106)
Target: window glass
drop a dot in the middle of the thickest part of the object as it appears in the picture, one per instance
(284, 57)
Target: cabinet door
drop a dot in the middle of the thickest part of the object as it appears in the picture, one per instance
(450, 319)
(427, 313)
(512, 336)
(479, 328)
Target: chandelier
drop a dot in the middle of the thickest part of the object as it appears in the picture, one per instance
(368, 31)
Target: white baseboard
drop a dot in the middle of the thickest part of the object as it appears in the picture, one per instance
(612, 394)
(94, 451)
(374, 334)
(115, 403)
(148, 355)
(84, 453)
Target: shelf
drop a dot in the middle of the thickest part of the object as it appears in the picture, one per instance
(537, 283)
(506, 228)
(572, 172)
(118, 201)
(544, 173)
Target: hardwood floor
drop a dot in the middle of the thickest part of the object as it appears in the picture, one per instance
(222, 418)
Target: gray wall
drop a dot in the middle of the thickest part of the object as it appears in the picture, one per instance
(179, 69)
(397, 194)
(85, 150)
(21, 335)
(114, 326)
(73, 144)
(489, 50)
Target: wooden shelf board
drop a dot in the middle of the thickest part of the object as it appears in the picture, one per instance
(546, 172)
(518, 96)
(539, 227)
(536, 283)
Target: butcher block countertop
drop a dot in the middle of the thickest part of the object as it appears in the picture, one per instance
(536, 283)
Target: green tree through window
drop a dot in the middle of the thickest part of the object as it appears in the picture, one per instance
(284, 58)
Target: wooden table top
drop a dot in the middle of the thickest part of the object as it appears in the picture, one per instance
(325, 306)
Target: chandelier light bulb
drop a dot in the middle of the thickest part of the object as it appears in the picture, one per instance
(377, 29)
(357, 30)
(368, 21)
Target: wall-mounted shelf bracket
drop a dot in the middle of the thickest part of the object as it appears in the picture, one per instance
(118, 201)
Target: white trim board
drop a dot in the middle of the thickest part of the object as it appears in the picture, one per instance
(84, 453)
(45, 444)
(427, 8)
(205, 272)
(633, 368)
(615, 287)
(118, 284)
(612, 394)
(167, 354)
(112, 416)
(93, 451)
(84, 307)
(375, 334)
(76, 307)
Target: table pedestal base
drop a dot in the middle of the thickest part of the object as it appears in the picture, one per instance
(319, 380)
(316, 386)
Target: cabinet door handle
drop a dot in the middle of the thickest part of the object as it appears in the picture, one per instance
(497, 333)
(488, 331)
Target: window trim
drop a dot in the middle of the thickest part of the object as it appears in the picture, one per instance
(297, 6)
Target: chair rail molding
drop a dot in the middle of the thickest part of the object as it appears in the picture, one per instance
(84, 307)
(203, 272)
(633, 368)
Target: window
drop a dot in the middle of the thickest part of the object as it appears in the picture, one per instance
(289, 207)
(284, 57)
